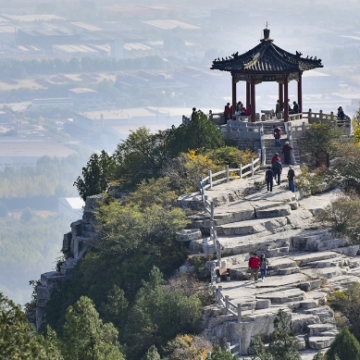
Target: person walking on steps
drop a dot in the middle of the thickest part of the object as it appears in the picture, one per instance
(254, 265)
(277, 169)
(264, 263)
(275, 158)
(290, 176)
(287, 152)
(269, 178)
(277, 135)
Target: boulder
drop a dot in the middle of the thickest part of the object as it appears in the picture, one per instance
(188, 235)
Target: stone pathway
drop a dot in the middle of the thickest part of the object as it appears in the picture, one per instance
(305, 261)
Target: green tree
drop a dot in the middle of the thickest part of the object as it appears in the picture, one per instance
(319, 356)
(342, 217)
(96, 175)
(258, 349)
(319, 137)
(19, 341)
(158, 317)
(348, 303)
(152, 354)
(199, 133)
(222, 354)
(85, 337)
(141, 156)
(283, 344)
(115, 308)
(345, 346)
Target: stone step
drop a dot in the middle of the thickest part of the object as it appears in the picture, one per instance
(282, 297)
(335, 261)
(319, 329)
(320, 342)
(303, 259)
(324, 273)
(317, 241)
(254, 226)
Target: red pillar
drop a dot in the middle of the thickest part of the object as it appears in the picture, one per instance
(253, 100)
(300, 94)
(286, 97)
(248, 95)
(281, 96)
(233, 94)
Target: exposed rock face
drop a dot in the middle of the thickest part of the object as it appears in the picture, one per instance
(75, 243)
(305, 262)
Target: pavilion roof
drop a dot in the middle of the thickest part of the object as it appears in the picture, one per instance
(266, 58)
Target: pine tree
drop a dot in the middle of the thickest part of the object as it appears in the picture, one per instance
(98, 172)
(19, 341)
(319, 356)
(283, 344)
(152, 354)
(85, 337)
(345, 347)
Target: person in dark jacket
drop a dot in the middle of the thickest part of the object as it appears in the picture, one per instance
(295, 109)
(287, 152)
(290, 176)
(277, 169)
(264, 263)
(269, 177)
(277, 135)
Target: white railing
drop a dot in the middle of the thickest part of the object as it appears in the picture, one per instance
(233, 309)
(230, 174)
(208, 183)
(331, 118)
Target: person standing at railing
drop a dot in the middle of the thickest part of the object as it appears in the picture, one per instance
(254, 266)
(269, 178)
(227, 112)
(295, 109)
(287, 152)
(340, 113)
(193, 114)
(277, 169)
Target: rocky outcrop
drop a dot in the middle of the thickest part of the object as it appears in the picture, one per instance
(82, 236)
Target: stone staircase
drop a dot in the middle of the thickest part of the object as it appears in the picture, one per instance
(306, 262)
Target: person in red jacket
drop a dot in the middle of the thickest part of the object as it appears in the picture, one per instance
(254, 265)
(227, 112)
(275, 158)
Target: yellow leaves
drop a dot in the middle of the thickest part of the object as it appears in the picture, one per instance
(356, 127)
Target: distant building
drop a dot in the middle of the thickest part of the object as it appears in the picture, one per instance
(84, 98)
(45, 38)
(52, 102)
(71, 205)
(17, 153)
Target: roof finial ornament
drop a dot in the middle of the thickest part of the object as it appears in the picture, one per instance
(266, 33)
